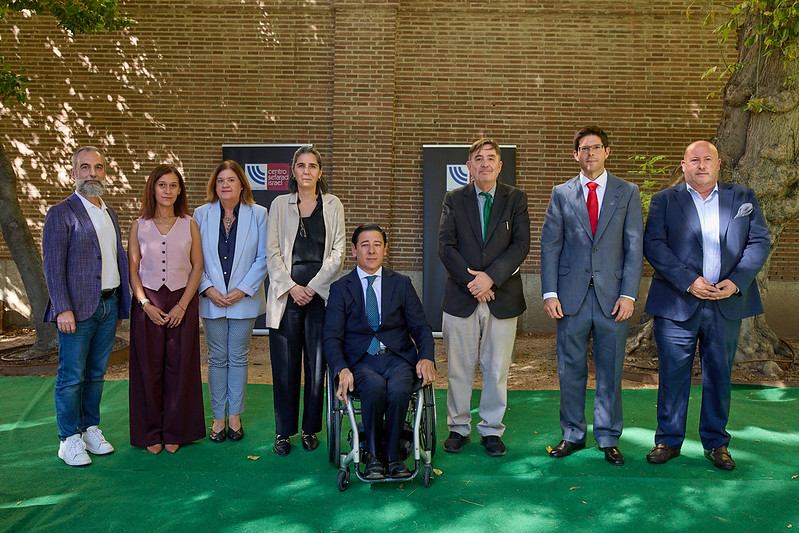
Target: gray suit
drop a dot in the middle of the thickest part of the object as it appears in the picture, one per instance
(589, 274)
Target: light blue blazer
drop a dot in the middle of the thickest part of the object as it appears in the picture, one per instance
(249, 261)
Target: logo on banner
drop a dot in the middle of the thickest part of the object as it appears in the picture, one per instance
(268, 176)
(457, 176)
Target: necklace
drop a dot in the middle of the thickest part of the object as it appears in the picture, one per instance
(228, 224)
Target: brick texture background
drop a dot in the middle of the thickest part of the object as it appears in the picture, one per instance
(368, 83)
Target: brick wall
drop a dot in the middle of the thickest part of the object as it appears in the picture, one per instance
(368, 83)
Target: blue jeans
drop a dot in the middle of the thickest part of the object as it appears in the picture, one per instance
(82, 358)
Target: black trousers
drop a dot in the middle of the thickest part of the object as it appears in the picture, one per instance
(295, 346)
(384, 384)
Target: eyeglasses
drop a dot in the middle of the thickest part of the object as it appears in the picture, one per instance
(588, 149)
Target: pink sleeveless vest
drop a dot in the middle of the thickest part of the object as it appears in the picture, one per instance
(165, 259)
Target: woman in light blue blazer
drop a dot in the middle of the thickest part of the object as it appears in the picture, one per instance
(233, 230)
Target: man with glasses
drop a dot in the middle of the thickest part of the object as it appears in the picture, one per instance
(87, 276)
(591, 263)
(706, 240)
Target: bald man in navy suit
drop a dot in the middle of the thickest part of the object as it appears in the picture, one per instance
(706, 240)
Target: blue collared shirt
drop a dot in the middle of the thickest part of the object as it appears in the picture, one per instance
(708, 211)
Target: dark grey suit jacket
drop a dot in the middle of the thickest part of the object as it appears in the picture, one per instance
(571, 256)
(461, 246)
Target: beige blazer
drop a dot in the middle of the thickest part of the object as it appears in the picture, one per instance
(281, 230)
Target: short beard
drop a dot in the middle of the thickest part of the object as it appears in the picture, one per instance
(92, 190)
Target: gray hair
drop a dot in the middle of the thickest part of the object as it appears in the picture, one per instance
(85, 149)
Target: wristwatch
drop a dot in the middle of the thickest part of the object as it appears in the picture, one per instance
(143, 302)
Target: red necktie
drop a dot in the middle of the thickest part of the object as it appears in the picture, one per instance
(593, 205)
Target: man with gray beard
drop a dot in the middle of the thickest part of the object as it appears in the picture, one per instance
(87, 276)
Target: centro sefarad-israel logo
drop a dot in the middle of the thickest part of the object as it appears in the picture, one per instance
(268, 176)
(457, 176)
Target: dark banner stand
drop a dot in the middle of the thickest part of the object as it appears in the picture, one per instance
(444, 169)
(267, 167)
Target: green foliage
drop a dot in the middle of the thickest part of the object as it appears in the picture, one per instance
(74, 16)
(775, 31)
(651, 168)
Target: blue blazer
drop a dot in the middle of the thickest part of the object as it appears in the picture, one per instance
(403, 328)
(673, 246)
(72, 262)
(571, 255)
(249, 261)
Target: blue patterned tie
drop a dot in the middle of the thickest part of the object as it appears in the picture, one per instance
(372, 315)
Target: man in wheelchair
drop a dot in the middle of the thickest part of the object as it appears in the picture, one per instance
(377, 341)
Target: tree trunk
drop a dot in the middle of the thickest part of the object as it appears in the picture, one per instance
(761, 151)
(26, 255)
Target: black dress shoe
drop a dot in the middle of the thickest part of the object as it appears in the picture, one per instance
(565, 448)
(493, 445)
(455, 442)
(374, 469)
(219, 436)
(613, 455)
(662, 453)
(309, 441)
(721, 458)
(235, 434)
(398, 469)
(282, 445)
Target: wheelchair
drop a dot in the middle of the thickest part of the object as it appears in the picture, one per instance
(420, 427)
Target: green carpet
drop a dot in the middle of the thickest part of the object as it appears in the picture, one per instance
(216, 487)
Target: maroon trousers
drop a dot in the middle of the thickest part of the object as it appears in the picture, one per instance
(166, 396)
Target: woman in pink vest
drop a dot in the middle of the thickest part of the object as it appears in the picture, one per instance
(166, 265)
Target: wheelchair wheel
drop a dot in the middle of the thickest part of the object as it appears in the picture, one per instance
(335, 443)
(332, 416)
(427, 477)
(428, 428)
(343, 479)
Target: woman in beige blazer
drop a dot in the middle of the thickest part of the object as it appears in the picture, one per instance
(305, 251)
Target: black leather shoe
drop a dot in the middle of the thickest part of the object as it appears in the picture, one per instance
(721, 458)
(565, 448)
(217, 436)
(662, 453)
(374, 469)
(282, 445)
(455, 442)
(309, 441)
(235, 435)
(398, 469)
(613, 455)
(493, 445)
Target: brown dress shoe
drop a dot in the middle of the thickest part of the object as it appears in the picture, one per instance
(662, 453)
(721, 458)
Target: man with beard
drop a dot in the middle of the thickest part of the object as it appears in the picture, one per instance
(87, 276)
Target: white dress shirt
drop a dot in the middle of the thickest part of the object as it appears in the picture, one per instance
(107, 237)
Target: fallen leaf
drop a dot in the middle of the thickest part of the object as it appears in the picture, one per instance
(573, 488)
(253, 457)
(794, 477)
(549, 449)
(437, 471)
(585, 502)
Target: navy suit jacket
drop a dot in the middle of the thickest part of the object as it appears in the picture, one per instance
(72, 262)
(403, 329)
(461, 246)
(673, 246)
(571, 255)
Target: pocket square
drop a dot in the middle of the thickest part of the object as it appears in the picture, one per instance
(745, 210)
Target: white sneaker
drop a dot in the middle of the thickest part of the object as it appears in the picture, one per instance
(95, 442)
(73, 451)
